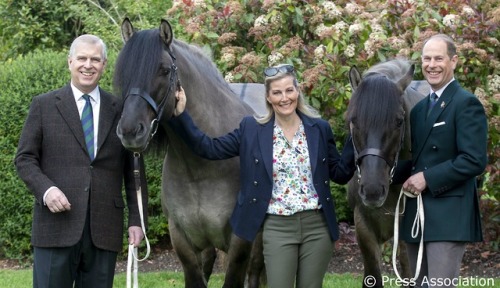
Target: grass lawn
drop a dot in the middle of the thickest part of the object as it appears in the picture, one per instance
(23, 278)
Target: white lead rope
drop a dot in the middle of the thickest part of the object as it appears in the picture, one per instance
(418, 226)
(132, 262)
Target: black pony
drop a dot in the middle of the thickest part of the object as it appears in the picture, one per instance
(378, 117)
(198, 196)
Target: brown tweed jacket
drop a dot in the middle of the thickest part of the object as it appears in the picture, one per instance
(52, 152)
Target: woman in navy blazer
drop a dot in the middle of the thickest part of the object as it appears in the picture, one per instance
(287, 159)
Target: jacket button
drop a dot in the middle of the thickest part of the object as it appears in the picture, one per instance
(254, 200)
(326, 182)
(413, 168)
(434, 147)
(327, 199)
(256, 161)
(255, 183)
(323, 160)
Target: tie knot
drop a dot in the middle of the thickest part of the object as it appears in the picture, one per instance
(434, 97)
(86, 97)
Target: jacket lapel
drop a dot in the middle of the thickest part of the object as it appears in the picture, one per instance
(69, 112)
(107, 114)
(423, 124)
(312, 136)
(265, 138)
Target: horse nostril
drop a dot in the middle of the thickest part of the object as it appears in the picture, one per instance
(141, 130)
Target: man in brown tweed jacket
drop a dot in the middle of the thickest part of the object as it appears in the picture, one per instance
(79, 207)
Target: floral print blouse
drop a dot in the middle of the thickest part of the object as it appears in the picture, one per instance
(293, 189)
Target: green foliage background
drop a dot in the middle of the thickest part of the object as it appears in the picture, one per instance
(242, 37)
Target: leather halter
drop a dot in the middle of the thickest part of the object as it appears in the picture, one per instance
(358, 156)
(158, 109)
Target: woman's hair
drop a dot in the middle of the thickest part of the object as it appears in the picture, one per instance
(279, 72)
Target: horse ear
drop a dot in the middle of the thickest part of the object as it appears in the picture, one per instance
(406, 80)
(127, 30)
(354, 77)
(166, 32)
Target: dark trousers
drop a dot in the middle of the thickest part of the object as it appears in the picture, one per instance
(297, 249)
(441, 263)
(82, 265)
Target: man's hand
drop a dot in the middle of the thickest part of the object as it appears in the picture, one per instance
(135, 235)
(416, 184)
(56, 201)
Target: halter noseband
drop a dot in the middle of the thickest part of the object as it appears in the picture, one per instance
(379, 153)
(158, 109)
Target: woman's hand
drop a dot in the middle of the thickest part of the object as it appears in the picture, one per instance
(181, 101)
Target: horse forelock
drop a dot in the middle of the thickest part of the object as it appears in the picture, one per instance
(375, 103)
(138, 62)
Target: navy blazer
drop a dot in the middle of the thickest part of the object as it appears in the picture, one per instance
(253, 142)
(450, 147)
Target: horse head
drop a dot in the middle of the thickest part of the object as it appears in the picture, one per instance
(147, 96)
(376, 117)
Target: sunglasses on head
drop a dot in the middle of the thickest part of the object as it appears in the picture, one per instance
(272, 71)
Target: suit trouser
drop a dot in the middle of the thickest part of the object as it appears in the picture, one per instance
(441, 263)
(296, 248)
(82, 264)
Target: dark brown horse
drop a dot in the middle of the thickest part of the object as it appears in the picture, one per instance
(198, 196)
(378, 117)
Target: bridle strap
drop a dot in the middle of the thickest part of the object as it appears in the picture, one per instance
(377, 152)
(158, 109)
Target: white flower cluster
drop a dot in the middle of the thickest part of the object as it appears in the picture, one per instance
(276, 19)
(228, 58)
(275, 58)
(199, 3)
(355, 28)
(322, 29)
(494, 83)
(350, 51)
(352, 9)
(260, 21)
(340, 26)
(319, 53)
(229, 77)
(450, 20)
(468, 12)
(370, 51)
(331, 10)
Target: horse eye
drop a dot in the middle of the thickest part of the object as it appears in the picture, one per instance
(399, 122)
(164, 71)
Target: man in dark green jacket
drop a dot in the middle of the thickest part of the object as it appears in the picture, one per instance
(449, 149)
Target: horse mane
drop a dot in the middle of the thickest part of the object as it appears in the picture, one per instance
(203, 63)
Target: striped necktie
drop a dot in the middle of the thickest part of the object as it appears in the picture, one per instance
(432, 101)
(88, 125)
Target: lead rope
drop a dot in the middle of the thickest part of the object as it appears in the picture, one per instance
(418, 225)
(133, 259)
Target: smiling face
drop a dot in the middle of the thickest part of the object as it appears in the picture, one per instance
(283, 96)
(86, 64)
(437, 65)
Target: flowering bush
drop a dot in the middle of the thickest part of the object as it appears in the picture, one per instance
(323, 39)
